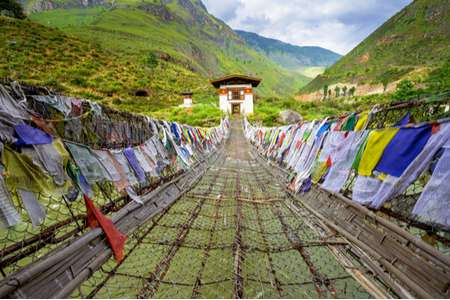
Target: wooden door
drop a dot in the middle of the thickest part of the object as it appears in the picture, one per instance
(236, 108)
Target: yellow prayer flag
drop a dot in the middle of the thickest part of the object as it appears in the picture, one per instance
(362, 121)
(376, 143)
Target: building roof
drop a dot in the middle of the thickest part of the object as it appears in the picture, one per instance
(186, 93)
(236, 79)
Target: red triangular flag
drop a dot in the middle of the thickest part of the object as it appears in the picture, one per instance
(115, 238)
(329, 162)
(435, 128)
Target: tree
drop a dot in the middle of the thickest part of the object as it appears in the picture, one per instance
(405, 90)
(344, 90)
(385, 82)
(11, 8)
(439, 79)
(329, 93)
(325, 91)
(351, 91)
(151, 60)
(337, 90)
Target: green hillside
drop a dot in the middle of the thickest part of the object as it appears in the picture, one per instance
(108, 50)
(178, 31)
(39, 55)
(409, 45)
(305, 59)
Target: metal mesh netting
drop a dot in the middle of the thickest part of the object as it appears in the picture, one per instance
(427, 108)
(65, 217)
(232, 235)
(24, 244)
(399, 208)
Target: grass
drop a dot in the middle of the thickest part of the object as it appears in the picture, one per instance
(203, 115)
(311, 72)
(106, 54)
(267, 110)
(435, 83)
(44, 56)
(39, 55)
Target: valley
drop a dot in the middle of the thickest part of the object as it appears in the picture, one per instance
(108, 51)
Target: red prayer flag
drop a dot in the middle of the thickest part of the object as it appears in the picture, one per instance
(435, 128)
(329, 162)
(115, 238)
(283, 135)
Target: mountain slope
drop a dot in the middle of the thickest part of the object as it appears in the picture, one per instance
(39, 55)
(287, 55)
(409, 45)
(179, 31)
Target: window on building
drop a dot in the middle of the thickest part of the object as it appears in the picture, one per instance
(236, 94)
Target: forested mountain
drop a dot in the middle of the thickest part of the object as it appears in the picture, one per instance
(296, 58)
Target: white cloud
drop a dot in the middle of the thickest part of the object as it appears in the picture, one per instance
(338, 25)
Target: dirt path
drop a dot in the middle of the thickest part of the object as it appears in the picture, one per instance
(232, 235)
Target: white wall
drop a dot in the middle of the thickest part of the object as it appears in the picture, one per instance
(187, 102)
(248, 104)
(223, 103)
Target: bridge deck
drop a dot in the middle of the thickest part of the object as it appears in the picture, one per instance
(232, 235)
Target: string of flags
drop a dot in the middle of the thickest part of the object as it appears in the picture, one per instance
(385, 161)
(43, 155)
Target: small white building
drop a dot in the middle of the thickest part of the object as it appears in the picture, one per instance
(236, 93)
(187, 99)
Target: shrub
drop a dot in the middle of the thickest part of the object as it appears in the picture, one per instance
(405, 90)
(151, 60)
(351, 91)
(439, 79)
(116, 101)
(325, 91)
(79, 81)
(337, 90)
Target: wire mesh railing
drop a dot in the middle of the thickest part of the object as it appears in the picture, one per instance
(433, 110)
(99, 128)
(399, 209)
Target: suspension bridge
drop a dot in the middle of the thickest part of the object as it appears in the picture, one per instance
(224, 225)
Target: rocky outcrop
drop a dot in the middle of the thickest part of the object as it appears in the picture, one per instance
(43, 5)
(158, 10)
(289, 117)
(40, 5)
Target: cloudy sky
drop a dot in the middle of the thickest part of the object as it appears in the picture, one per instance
(338, 25)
